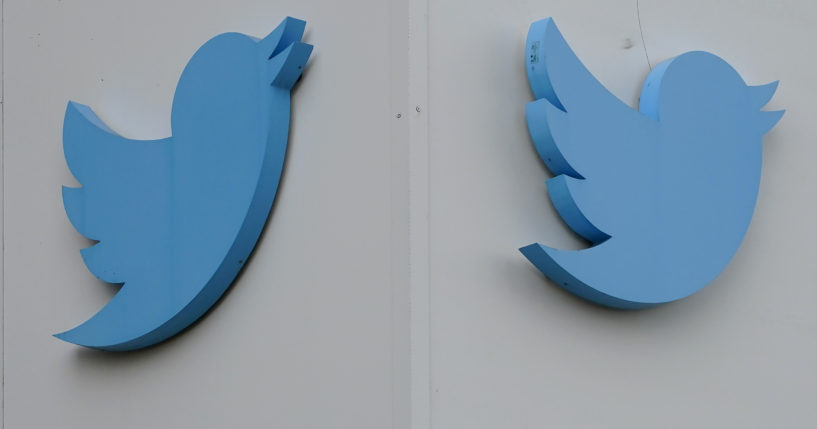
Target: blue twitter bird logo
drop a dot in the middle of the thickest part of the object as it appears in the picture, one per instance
(177, 218)
(665, 194)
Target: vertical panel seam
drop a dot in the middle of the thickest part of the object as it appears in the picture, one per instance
(419, 216)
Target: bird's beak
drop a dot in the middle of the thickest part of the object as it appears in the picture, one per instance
(285, 52)
(765, 120)
(759, 96)
(288, 31)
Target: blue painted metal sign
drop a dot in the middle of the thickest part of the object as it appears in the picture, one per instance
(665, 194)
(177, 218)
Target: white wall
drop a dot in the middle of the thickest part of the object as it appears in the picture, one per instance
(316, 332)
(509, 348)
(303, 339)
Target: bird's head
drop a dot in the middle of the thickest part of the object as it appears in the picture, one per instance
(233, 76)
(701, 88)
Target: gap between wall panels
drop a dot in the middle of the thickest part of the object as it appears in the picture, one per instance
(419, 215)
(2, 217)
(411, 371)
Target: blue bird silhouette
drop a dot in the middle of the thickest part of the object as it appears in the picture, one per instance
(665, 194)
(177, 218)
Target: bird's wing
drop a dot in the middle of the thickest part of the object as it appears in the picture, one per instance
(592, 141)
(123, 199)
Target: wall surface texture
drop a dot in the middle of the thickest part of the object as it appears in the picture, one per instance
(386, 290)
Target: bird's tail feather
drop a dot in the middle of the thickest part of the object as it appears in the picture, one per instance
(74, 201)
(568, 194)
(103, 262)
(549, 129)
(559, 266)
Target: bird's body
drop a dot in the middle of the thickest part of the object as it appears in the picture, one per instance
(665, 194)
(177, 218)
